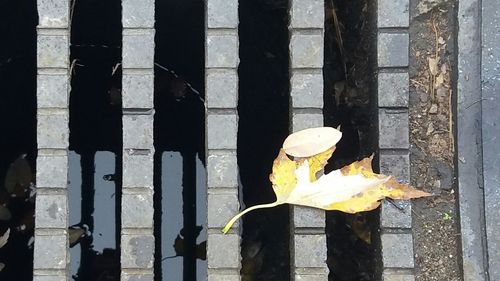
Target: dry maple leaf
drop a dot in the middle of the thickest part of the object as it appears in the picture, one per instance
(369, 198)
(351, 189)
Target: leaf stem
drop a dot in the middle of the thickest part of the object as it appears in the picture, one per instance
(235, 218)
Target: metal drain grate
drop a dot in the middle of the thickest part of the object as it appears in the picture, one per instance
(308, 239)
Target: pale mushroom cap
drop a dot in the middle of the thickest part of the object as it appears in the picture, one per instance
(311, 141)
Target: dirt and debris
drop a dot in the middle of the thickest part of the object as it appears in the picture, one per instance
(426, 6)
(435, 220)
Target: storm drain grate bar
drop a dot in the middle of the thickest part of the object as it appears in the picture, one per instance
(51, 254)
(393, 114)
(221, 83)
(308, 239)
(137, 240)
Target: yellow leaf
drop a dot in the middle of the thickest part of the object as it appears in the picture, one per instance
(354, 188)
(318, 162)
(369, 199)
(292, 182)
(283, 177)
(329, 188)
(391, 188)
(363, 166)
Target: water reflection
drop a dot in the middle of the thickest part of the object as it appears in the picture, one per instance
(183, 217)
(92, 203)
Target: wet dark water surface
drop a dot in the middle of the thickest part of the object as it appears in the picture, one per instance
(174, 221)
(179, 128)
(95, 141)
(263, 108)
(95, 256)
(17, 135)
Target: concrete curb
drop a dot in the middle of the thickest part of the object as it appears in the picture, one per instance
(490, 90)
(468, 140)
(477, 81)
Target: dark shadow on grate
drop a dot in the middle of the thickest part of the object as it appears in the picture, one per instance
(18, 20)
(179, 139)
(263, 108)
(95, 140)
(350, 101)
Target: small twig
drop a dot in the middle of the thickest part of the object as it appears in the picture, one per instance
(401, 209)
(340, 41)
(473, 103)
(115, 68)
(436, 37)
(391, 201)
(72, 68)
(185, 82)
(170, 257)
(95, 46)
(119, 64)
(431, 86)
(421, 148)
(72, 11)
(419, 83)
(436, 56)
(450, 123)
(415, 213)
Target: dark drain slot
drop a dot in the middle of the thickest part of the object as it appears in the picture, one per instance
(349, 102)
(94, 175)
(95, 141)
(179, 140)
(18, 133)
(263, 108)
